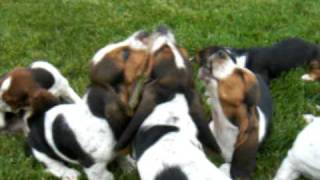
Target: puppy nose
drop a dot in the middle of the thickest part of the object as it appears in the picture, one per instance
(142, 35)
(221, 54)
(162, 29)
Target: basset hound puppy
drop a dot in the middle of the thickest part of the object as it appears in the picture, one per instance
(84, 132)
(241, 110)
(314, 71)
(269, 61)
(168, 128)
(40, 74)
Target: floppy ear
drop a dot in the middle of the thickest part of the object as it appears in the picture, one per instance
(252, 93)
(197, 113)
(244, 156)
(146, 106)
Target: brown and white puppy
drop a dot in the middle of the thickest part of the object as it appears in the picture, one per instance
(17, 85)
(82, 133)
(241, 108)
(169, 127)
(269, 61)
(314, 71)
(121, 64)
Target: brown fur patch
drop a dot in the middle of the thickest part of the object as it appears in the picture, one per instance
(314, 69)
(21, 88)
(119, 72)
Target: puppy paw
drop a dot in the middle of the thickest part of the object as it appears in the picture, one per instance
(70, 175)
(307, 77)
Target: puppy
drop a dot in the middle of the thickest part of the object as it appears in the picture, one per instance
(241, 111)
(38, 74)
(269, 61)
(169, 120)
(82, 133)
(303, 157)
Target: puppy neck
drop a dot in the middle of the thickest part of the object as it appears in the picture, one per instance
(224, 70)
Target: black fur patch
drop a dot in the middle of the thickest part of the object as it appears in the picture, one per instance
(147, 136)
(105, 103)
(171, 173)
(67, 143)
(44, 78)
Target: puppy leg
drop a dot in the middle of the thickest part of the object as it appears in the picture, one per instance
(55, 167)
(126, 163)
(287, 171)
(98, 171)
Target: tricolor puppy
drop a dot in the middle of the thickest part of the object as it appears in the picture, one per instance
(120, 64)
(62, 134)
(304, 157)
(269, 61)
(314, 71)
(83, 133)
(169, 126)
(241, 109)
(17, 84)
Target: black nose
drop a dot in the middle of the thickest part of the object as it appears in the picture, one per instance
(221, 54)
(142, 35)
(163, 29)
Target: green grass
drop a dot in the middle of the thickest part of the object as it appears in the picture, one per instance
(68, 33)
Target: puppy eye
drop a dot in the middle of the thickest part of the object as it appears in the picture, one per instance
(126, 53)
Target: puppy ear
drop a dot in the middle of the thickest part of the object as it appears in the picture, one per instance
(252, 93)
(244, 156)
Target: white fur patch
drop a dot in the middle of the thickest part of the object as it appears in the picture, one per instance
(181, 149)
(307, 77)
(241, 61)
(223, 70)
(303, 157)
(5, 84)
(132, 42)
(2, 120)
(262, 125)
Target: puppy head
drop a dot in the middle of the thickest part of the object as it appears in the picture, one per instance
(219, 66)
(121, 64)
(15, 90)
(167, 58)
(203, 55)
(314, 71)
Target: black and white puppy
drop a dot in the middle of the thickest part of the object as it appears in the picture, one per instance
(269, 61)
(169, 121)
(39, 73)
(241, 110)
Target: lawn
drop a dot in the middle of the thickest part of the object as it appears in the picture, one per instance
(68, 32)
